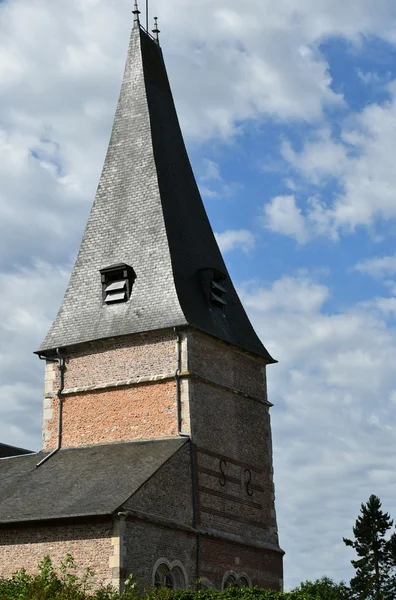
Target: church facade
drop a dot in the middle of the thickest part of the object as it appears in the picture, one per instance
(157, 451)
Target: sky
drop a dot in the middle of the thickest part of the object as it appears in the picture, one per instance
(289, 113)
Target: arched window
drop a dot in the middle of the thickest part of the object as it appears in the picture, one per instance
(229, 580)
(239, 580)
(243, 581)
(169, 575)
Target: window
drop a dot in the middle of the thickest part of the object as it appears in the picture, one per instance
(239, 580)
(117, 281)
(169, 575)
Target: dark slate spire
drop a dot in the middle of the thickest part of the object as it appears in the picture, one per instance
(148, 214)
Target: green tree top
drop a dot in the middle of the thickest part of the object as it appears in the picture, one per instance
(375, 577)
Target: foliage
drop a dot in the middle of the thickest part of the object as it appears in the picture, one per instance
(325, 589)
(375, 577)
(64, 583)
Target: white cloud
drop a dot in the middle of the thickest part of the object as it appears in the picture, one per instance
(282, 215)
(211, 171)
(362, 163)
(333, 393)
(212, 183)
(232, 239)
(28, 303)
(378, 267)
(321, 158)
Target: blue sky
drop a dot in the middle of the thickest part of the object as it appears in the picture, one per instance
(289, 114)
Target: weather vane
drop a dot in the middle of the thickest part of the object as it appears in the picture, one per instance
(156, 31)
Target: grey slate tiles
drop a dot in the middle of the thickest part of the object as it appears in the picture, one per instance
(148, 214)
(76, 482)
(6, 451)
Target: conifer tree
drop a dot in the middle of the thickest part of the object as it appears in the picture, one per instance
(375, 577)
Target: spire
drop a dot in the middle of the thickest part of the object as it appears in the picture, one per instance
(148, 259)
(136, 12)
(156, 31)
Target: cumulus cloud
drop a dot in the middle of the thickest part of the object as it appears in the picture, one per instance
(282, 215)
(379, 267)
(29, 300)
(232, 239)
(332, 391)
(212, 183)
(361, 163)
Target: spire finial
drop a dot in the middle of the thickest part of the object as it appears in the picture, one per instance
(136, 12)
(156, 31)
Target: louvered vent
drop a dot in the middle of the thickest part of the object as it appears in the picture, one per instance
(214, 287)
(117, 283)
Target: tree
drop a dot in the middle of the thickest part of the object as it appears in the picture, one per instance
(375, 577)
(325, 589)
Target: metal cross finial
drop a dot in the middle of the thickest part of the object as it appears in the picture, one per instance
(156, 31)
(136, 12)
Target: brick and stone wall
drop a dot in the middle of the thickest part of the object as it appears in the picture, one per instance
(218, 557)
(145, 544)
(226, 365)
(119, 414)
(91, 545)
(230, 423)
(114, 390)
(168, 493)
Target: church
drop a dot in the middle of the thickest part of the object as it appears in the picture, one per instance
(157, 451)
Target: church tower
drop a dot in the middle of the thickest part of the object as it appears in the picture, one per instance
(155, 385)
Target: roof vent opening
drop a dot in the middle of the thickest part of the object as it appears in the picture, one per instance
(117, 282)
(213, 282)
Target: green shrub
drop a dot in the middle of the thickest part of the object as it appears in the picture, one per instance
(49, 583)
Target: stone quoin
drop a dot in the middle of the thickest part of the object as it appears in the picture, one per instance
(157, 451)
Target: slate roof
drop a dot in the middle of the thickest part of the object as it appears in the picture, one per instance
(6, 451)
(76, 482)
(148, 214)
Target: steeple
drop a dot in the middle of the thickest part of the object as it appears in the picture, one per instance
(148, 259)
(136, 12)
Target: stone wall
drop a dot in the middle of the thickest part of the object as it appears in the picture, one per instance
(91, 545)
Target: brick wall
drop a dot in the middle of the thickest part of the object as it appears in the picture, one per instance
(231, 429)
(145, 544)
(109, 361)
(263, 567)
(118, 414)
(226, 365)
(236, 491)
(121, 359)
(91, 545)
(168, 493)
(114, 390)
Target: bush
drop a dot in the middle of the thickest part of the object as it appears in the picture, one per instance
(65, 584)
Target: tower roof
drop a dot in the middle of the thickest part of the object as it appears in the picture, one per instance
(148, 216)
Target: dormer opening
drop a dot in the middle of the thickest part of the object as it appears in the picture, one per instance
(214, 285)
(218, 291)
(117, 282)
